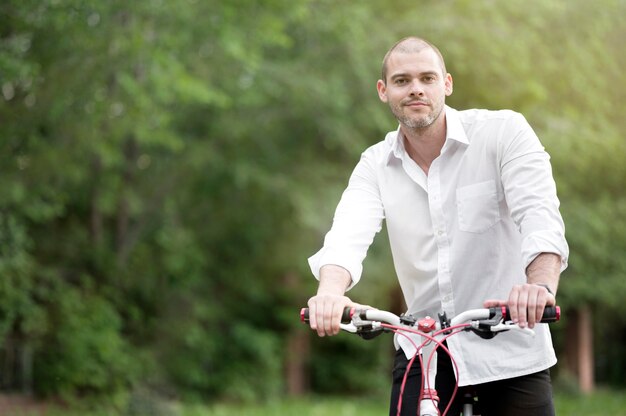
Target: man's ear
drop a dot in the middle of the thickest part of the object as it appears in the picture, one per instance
(449, 85)
(382, 90)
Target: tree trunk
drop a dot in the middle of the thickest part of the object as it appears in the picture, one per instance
(123, 242)
(579, 348)
(297, 355)
(585, 351)
(16, 365)
(297, 346)
(95, 220)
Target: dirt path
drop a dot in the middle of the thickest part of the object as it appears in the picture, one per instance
(19, 405)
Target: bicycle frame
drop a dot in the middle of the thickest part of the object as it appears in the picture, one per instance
(433, 336)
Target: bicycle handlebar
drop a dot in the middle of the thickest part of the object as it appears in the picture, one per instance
(484, 322)
(346, 316)
(550, 314)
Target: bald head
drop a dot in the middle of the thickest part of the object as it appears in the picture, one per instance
(411, 44)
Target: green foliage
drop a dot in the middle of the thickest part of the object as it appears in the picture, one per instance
(16, 265)
(84, 351)
(351, 365)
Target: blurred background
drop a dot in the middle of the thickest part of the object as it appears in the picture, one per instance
(166, 167)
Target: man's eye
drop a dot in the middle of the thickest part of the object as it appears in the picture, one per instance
(400, 81)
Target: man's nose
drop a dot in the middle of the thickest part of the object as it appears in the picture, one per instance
(417, 88)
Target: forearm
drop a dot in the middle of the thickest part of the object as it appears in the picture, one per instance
(334, 280)
(527, 302)
(545, 269)
(326, 307)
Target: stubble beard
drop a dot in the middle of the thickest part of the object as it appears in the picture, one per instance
(415, 123)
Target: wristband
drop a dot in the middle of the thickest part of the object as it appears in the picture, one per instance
(546, 287)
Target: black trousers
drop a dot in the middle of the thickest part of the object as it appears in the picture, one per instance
(520, 396)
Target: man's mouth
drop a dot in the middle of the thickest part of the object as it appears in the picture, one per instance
(416, 104)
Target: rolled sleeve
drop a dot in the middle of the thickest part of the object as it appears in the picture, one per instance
(357, 219)
(545, 242)
(531, 195)
(326, 256)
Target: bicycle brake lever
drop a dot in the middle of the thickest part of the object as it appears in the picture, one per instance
(488, 329)
(348, 328)
(367, 329)
(512, 327)
(356, 325)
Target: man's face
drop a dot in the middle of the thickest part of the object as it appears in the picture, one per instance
(415, 88)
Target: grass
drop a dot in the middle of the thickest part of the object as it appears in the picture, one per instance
(601, 403)
(302, 407)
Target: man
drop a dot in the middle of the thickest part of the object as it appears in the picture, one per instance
(473, 221)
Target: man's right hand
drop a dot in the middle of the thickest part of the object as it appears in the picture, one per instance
(325, 312)
(326, 308)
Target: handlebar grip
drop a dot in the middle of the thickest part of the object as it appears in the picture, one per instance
(346, 316)
(550, 314)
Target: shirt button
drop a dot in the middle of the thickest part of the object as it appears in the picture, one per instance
(440, 233)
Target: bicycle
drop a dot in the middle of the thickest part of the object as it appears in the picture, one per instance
(485, 322)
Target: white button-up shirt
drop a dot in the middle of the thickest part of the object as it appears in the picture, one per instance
(460, 235)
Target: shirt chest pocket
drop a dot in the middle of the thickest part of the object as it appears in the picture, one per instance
(477, 206)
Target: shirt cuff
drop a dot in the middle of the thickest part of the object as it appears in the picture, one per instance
(326, 256)
(545, 242)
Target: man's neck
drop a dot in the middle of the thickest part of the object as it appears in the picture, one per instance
(424, 145)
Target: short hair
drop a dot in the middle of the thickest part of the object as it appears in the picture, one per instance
(409, 45)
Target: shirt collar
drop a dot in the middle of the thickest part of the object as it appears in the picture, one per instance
(454, 127)
(454, 131)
